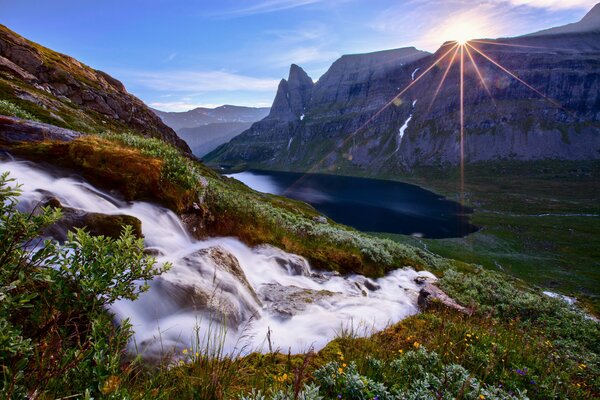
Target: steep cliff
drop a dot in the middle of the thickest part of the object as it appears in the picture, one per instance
(347, 127)
(38, 83)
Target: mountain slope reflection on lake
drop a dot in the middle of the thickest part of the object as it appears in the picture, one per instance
(369, 205)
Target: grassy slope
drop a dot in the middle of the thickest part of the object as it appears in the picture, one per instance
(506, 312)
(558, 252)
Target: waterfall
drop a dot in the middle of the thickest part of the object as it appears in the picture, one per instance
(221, 283)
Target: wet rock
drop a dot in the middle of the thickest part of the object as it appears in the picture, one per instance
(95, 224)
(431, 292)
(288, 301)
(213, 283)
(292, 263)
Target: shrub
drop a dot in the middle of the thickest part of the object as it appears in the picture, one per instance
(56, 335)
(9, 108)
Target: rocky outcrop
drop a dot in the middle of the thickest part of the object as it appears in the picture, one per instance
(352, 126)
(15, 130)
(95, 224)
(430, 292)
(59, 89)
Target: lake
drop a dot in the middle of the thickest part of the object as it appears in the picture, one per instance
(369, 205)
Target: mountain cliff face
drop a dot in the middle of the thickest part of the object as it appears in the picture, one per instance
(38, 83)
(346, 127)
(307, 120)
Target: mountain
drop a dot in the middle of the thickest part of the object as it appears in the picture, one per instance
(589, 23)
(347, 123)
(205, 129)
(205, 138)
(204, 116)
(39, 83)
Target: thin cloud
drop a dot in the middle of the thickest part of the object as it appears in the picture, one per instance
(170, 58)
(303, 55)
(199, 81)
(268, 6)
(555, 4)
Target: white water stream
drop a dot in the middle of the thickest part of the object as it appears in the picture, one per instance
(208, 292)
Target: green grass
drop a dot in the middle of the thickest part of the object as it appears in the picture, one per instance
(558, 252)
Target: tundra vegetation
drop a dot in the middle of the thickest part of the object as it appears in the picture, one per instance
(58, 340)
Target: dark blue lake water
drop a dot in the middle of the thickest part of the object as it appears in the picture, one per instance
(369, 205)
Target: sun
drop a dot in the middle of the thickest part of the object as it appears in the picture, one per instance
(461, 32)
(465, 26)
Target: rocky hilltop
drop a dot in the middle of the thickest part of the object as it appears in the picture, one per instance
(41, 84)
(341, 123)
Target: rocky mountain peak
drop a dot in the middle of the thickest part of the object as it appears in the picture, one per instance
(293, 95)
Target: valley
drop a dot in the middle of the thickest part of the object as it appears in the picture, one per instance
(399, 224)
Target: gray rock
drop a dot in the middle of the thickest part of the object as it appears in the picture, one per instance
(320, 219)
(15, 130)
(430, 292)
(95, 224)
(214, 284)
(288, 301)
(292, 263)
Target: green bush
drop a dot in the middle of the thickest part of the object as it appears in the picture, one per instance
(55, 334)
(11, 109)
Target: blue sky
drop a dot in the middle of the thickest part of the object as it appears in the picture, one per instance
(177, 55)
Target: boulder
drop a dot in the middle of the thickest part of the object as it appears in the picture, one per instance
(95, 224)
(287, 301)
(210, 281)
(430, 292)
(292, 263)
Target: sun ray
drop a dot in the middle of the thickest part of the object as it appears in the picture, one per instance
(437, 91)
(515, 77)
(485, 86)
(462, 123)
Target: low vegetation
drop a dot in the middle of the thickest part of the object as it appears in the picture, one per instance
(57, 339)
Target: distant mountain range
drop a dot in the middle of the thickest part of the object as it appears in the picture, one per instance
(204, 129)
(345, 123)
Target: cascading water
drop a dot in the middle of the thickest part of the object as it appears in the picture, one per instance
(221, 282)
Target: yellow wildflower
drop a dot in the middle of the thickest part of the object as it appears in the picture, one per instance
(340, 370)
(184, 351)
(416, 345)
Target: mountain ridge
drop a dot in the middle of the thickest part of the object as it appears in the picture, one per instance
(351, 127)
(60, 90)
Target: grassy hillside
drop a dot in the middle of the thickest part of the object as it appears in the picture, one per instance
(440, 353)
